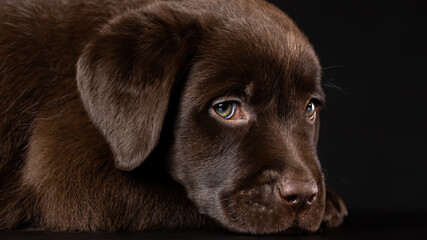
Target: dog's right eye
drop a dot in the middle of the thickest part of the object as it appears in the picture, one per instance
(310, 111)
(227, 110)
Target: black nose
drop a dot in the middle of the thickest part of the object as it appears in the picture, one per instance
(297, 193)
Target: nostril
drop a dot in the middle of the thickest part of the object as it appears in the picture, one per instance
(292, 199)
(311, 199)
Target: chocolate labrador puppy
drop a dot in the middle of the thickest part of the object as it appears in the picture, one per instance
(142, 114)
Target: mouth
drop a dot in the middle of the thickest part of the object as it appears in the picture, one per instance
(261, 210)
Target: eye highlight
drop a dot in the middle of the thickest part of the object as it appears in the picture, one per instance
(310, 111)
(227, 109)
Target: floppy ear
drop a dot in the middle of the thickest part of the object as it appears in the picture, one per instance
(126, 73)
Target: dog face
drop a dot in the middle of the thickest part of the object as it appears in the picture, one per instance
(245, 129)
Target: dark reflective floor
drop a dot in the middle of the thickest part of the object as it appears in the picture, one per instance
(356, 226)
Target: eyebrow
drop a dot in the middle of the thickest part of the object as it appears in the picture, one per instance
(249, 88)
(320, 97)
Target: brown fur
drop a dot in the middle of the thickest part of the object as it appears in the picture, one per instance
(106, 117)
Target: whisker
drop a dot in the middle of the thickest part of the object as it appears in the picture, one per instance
(330, 83)
(332, 67)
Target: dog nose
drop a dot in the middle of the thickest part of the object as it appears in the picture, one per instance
(297, 193)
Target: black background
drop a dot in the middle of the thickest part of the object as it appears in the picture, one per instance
(373, 138)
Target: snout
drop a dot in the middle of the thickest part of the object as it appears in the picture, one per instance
(298, 194)
(276, 206)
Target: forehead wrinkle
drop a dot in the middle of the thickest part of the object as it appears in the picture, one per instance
(204, 89)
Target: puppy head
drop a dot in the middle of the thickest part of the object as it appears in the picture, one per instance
(245, 132)
(245, 139)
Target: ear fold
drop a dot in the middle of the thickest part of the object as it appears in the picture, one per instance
(126, 73)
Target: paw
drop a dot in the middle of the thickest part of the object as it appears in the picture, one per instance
(335, 210)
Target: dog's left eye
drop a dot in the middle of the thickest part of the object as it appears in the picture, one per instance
(227, 110)
(310, 111)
